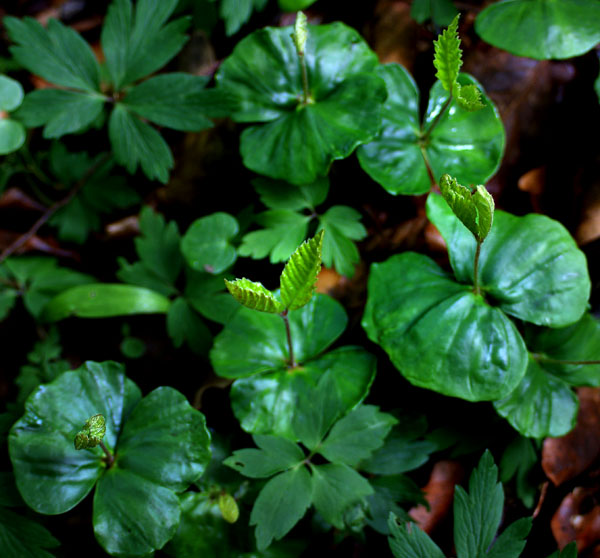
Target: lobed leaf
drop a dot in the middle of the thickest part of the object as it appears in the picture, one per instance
(409, 541)
(254, 296)
(299, 275)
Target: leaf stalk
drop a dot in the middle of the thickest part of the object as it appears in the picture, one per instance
(476, 288)
(288, 333)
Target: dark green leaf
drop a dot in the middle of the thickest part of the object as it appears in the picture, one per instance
(206, 244)
(511, 542)
(7, 301)
(467, 145)
(135, 142)
(23, 538)
(268, 403)
(529, 266)
(409, 541)
(275, 455)
(281, 503)
(518, 459)
(542, 29)
(103, 300)
(237, 12)
(184, 324)
(11, 93)
(569, 551)
(439, 334)
(59, 111)
(357, 435)
(299, 275)
(208, 296)
(52, 476)
(299, 142)
(279, 194)
(136, 41)
(254, 296)
(342, 225)
(173, 100)
(12, 136)
(56, 53)
(335, 487)
(442, 12)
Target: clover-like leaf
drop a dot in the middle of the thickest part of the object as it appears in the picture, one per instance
(529, 266)
(542, 29)
(299, 275)
(299, 140)
(464, 144)
(439, 334)
(254, 296)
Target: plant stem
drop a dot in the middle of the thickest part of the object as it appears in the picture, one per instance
(476, 289)
(286, 321)
(304, 79)
(542, 358)
(110, 458)
(428, 166)
(427, 133)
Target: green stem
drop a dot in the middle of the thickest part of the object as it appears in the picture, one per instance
(476, 289)
(428, 166)
(306, 99)
(427, 133)
(286, 321)
(542, 358)
(110, 458)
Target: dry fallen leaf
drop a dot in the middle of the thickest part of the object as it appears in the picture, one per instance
(574, 521)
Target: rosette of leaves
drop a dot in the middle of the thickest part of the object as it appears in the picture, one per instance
(154, 448)
(275, 348)
(136, 42)
(297, 480)
(286, 223)
(154, 282)
(477, 517)
(542, 29)
(309, 103)
(451, 332)
(461, 133)
(12, 132)
(544, 404)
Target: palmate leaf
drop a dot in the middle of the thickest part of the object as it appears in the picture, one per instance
(410, 541)
(448, 56)
(300, 273)
(254, 296)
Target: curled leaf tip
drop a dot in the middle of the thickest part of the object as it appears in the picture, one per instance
(91, 434)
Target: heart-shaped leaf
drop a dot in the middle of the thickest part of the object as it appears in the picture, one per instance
(542, 29)
(298, 141)
(530, 267)
(439, 334)
(467, 145)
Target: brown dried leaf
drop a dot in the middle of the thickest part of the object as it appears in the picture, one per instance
(566, 457)
(572, 522)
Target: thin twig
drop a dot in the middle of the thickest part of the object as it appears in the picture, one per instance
(24, 238)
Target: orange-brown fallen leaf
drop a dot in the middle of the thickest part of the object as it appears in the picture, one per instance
(566, 457)
(439, 493)
(574, 521)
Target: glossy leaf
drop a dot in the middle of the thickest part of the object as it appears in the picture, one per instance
(467, 145)
(52, 476)
(355, 437)
(542, 29)
(60, 111)
(268, 403)
(475, 209)
(439, 334)
(21, 537)
(298, 142)
(103, 300)
(57, 53)
(281, 503)
(448, 56)
(274, 456)
(206, 244)
(11, 93)
(254, 296)
(130, 34)
(335, 487)
(529, 266)
(299, 275)
(12, 135)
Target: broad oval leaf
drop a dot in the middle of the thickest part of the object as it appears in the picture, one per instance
(467, 145)
(267, 403)
(530, 267)
(253, 342)
(439, 334)
(206, 244)
(103, 300)
(52, 476)
(299, 142)
(11, 93)
(12, 135)
(541, 29)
